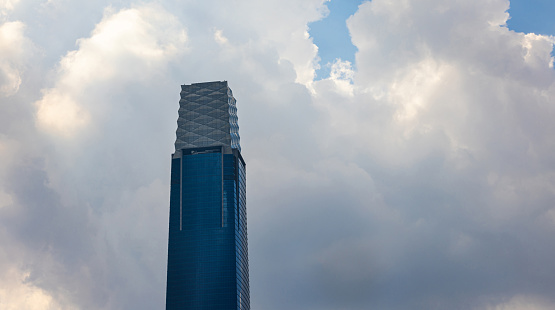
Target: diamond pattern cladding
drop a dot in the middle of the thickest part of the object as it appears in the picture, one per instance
(207, 116)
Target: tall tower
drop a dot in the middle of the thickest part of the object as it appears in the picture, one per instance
(207, 247)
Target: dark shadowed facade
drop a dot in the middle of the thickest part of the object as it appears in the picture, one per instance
(207, 248)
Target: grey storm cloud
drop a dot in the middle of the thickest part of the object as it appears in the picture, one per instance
(419, 177)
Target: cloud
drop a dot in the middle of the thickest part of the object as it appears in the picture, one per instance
(281, 28)
(59, 254)
(6, 6)
(15, 49)
(448, 115)
(123, 47)
(15, 294)
(523, 303)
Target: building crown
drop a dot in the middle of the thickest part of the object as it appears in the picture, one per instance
(207, 117)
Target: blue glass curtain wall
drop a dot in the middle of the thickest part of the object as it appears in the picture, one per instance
(207, 249)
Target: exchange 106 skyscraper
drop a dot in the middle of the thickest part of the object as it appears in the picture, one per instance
(207, 248)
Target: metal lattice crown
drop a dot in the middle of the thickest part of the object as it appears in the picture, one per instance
(207, 116)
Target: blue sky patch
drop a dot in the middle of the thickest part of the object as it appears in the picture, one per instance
(332, 36)
(532, 16)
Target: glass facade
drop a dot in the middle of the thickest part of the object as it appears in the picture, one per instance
(207, 248)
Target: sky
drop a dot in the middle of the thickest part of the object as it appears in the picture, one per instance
(399, 152)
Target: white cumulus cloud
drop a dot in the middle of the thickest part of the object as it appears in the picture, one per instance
(15, 48)
(127, 45)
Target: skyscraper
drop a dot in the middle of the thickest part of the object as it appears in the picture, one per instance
(207, 247)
